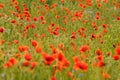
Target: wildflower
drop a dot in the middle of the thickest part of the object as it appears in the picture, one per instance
(81, 65)
(75, 59)
(53, 78)
(60, 57)
(84, 48)
(15, 41)
(106, 76)
(2, 41)
(104, 26)
(33, 65)
(117, 50)
(26, 63)
(48, 59)
(57, 16)
(62, 1)
(70, 74)
(105, 31)
(23, 48)
(1, 6)
(13, 61)
(8, 65)
(100, 57)
(18, 55)
(101, 64)
(34, 43)
(97, 17)
(108, 53)
(99, 52)
(32, 26)
(118, 18)
(63, 64)
(56, 33)
(43, 22)
(116, 57)
(61, 46)
(38, 49)
(73, 36)
(13, 21)
(2, 29)
(99, 5)
(55, 50)
(28, 56)
(42, 17)
(35, 19)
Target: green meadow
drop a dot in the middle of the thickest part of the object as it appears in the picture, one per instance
(59, 40)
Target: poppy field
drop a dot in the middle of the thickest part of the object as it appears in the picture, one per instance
(59, 39)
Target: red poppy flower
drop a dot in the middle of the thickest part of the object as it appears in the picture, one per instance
(99, 52)
(41, 17)
(2, 41)
(84, 48)
(53, 78)
(81, 65)
(8, 65)
(26, 63)
(23, 48)
(75, 59)
(13, 61)
(28, 56)
(1, 6)
(118, 18)
(116, 57)
(48, 59)
(38, 49)
(2, 29)
(100, 57)
(101, 64)
(15, 41)
(35, 19)
(13, 21)
(60, 57)
(106, 76)
(18, 55)
(34, 43)
(33, 65)
(117, 50)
